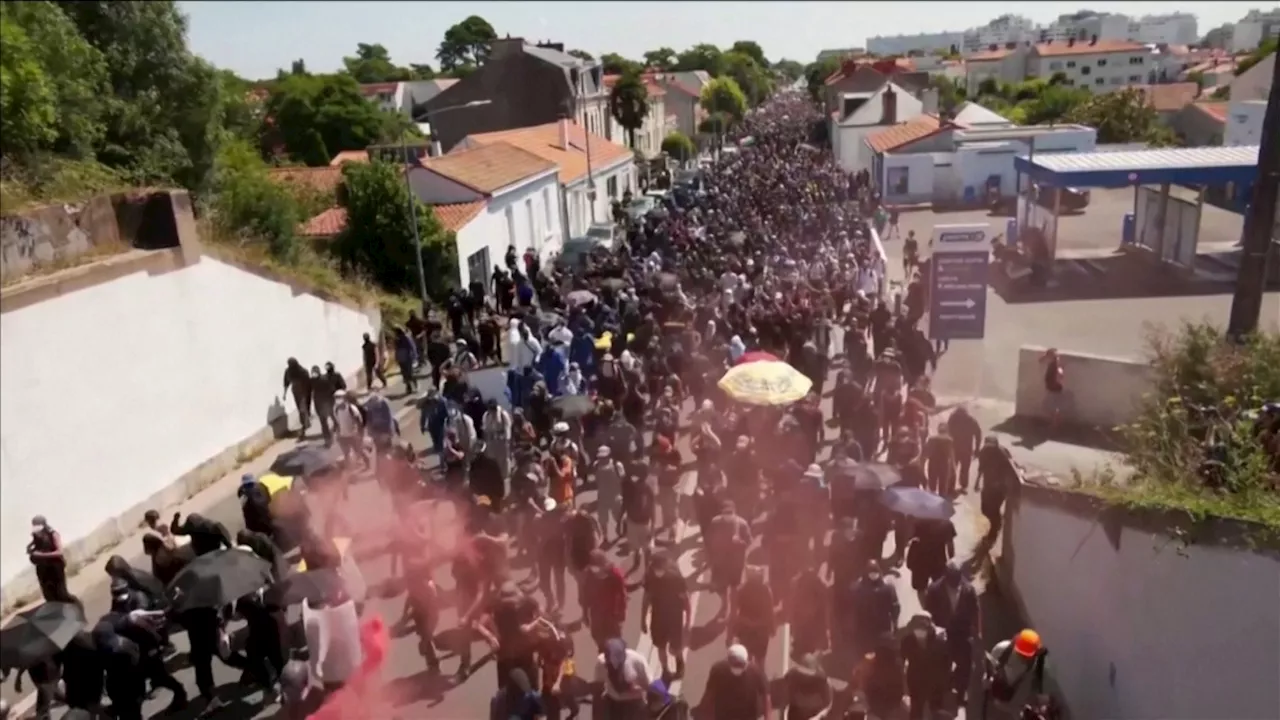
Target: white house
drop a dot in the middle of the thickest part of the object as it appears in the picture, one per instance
(401, 97)
(592, 170)
(862, 113)
(493, 197)
(1101, 66)
(1243, 124)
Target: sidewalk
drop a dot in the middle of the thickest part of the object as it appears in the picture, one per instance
(218, 502)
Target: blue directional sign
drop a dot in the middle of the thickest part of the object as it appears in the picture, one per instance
(958, 296)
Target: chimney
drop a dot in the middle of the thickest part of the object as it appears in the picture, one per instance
(1093, 40)
(436, 150)
(1071, 42)
(564, 133)
(889, 111)
(505, 47)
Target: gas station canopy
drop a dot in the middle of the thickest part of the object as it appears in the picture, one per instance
(1209, 166)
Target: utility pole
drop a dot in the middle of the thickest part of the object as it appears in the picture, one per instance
(1260, 222)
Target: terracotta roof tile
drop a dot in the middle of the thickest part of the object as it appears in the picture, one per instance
(369, 89)
(324, 179)
(544, 141)
(347, 156)
(1215, 110)
(895, 136)
(488, 168)
(1059, 49)
(455, 216)
(327, 224)
(989, 55)
(1170, 97)
(650, 84)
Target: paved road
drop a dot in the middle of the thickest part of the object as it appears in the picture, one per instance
(418, 695)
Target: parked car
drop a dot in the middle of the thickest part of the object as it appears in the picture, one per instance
(600, 236)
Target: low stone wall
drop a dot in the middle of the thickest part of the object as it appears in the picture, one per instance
(1101, 392)
(1146, 614)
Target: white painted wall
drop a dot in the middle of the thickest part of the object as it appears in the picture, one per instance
(578, 206)
(1244, 122)
(435, 189)
(113, 392)
(1152, 628)
(919, 177)
(534, 209)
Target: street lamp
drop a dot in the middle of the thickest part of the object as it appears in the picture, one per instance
(413, 205)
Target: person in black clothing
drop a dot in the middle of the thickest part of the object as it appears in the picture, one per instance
(924, 652)
(666, 612)
(736, 689)
(418, 332)
(322, 391)
(262, 546)
(485, 476)
(83, 673)
(263, 658)
(808, 691)
(144, 630)
(298, 382)
(44, 676)
(125, 679)
(334, 377)
(372, 368)
(873, 608)
(255, 505)
(952, 601)
(206, 535)
(996, 478)
(489, 348)
(438, 353)
(166, 562)
(45, 553)
(204, 626)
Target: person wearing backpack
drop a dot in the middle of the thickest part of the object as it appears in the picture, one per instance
(1015, 676)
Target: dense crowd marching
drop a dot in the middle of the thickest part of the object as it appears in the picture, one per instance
(761, 270)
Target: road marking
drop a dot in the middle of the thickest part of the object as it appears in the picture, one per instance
(684, 565)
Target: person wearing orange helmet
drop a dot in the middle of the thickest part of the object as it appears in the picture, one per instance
(1015, 676)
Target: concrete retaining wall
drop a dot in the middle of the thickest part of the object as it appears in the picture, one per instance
(136, 381)
(1145, 615)
(1101, 392)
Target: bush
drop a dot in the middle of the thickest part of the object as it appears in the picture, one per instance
(44, 179)
(679, 146)
(248, 203)
(1201, 416)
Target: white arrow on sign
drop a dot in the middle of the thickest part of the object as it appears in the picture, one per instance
(968, 303)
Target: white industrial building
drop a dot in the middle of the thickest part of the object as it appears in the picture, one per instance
(1085, 25)
(999, 32)
(1252, 29)
(922, 42)
(1170, 29)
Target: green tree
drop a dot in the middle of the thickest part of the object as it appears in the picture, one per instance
(723, 97)
(242, 107)
(317, 116)
(989, 86)
(1262, 52)
(752, 78)
(703, 56)
(1123, 116)
(615, 64)
(421, 72)
(629, 104)
(751, 49)
(378, 240)
(679, 146)
(714, 127)
(51, 83)
(816, 75)
(466, 44)
(951, 94)
(1053, 104)
(372, 64)
(163, 107)
(664, 58)
(789, 69)
(583, 55)
(248, 204)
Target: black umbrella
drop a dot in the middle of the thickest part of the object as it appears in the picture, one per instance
(572, 407)
(217, 579)
(37, 634)
(917, 503)
(311, 586)
(876, 476)
(305, 461)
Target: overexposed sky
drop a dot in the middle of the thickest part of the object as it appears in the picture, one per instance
(256, 38)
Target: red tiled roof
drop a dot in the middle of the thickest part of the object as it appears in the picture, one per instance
(369, 89)
(347, 156)
(1215, 110)
(455, 216)
(1170, 97)
(1102, 47)
(989, 55)
(324, 179)
(544, 141)
(489, 167)
(895, 136)
(327, 224)
(650, 84)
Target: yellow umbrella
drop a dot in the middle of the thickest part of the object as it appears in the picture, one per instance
(605, 341)
(275, 483)
(765, 383)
